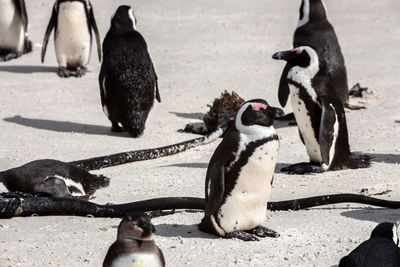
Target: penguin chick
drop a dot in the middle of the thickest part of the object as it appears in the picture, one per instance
(381, 249)
(240, 173)
(135, 245)
(128, 82)
(319, 113)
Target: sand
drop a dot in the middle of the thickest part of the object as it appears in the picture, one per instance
(200, 48)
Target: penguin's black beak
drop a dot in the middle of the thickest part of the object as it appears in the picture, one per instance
(274, 112)
(284, 55)
(148, 227)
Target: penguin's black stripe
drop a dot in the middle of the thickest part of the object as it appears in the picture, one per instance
(243, 160)
(314, 110)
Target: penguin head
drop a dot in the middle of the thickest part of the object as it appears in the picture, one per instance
(254, 115)
(311, 11)
(139, 227)
(123, 20)
(387, 230)
(302, 56)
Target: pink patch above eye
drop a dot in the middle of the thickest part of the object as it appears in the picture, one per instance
(258, 106)
(297, 50)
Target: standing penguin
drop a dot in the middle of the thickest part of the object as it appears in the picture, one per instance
(319, 114)
(240, 173)
(381, 249)
(135, 245)
(73, 22)
(314, 30)
(13, 29)
(128, 81)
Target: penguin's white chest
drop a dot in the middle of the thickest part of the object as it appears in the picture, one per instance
(303, 120)
(11, 28)
(3, 188)
(137, 260)
(73, 42)
(245, 208)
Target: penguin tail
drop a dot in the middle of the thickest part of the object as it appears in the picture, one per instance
(135, 123)
(357, 161)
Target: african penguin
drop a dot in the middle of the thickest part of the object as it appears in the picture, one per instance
(128, 81)
(240, 173)
(51, 177)
(319, 114)
(381, 249)
(314, 30)
(13, 29)
(135, 244)
(73, 22)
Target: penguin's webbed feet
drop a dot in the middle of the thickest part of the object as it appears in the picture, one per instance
(63, 72)
(242, 235)
(262, 231)
(6, 56)
(302, 168)
(81, 71)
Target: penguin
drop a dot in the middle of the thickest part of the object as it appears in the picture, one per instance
(73, 22)
(13, 29)
(319, 114)
(314, 30)
(51, 178)
(240, 173)
(135, 244)
(381, 249)
(128, 81)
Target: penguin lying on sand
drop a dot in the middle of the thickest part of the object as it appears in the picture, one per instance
(314, 30)
(135, 244)
(240, 174)
(319, 114)
(381, 249)
(51, 177)
(73, 22)
(13, 30)
(128, 81)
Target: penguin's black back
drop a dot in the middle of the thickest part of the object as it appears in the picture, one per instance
(321, 36)
(130, 78)
(374, 252)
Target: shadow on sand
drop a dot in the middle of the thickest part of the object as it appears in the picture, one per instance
(63, 126)
(28, 69)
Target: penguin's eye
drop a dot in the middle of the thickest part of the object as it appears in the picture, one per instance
(258, 106)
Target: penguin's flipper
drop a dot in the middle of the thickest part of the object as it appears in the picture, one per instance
(93, 25)
(328, 119)
(24, 16)
(50, 27)
(283, 92)
(301, 137)
(217, 188)
(158, 97)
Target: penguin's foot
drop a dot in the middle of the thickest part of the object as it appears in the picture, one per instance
(116, 128)
(302, 168)
(262, 231)
(63, 72)
(242, 235)
(8, 56)
(81, 71)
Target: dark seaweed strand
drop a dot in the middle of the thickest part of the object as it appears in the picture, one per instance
(44, 206)
(145, 154)
(304, 203)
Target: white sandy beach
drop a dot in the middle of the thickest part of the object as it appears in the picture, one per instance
(200, 48)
